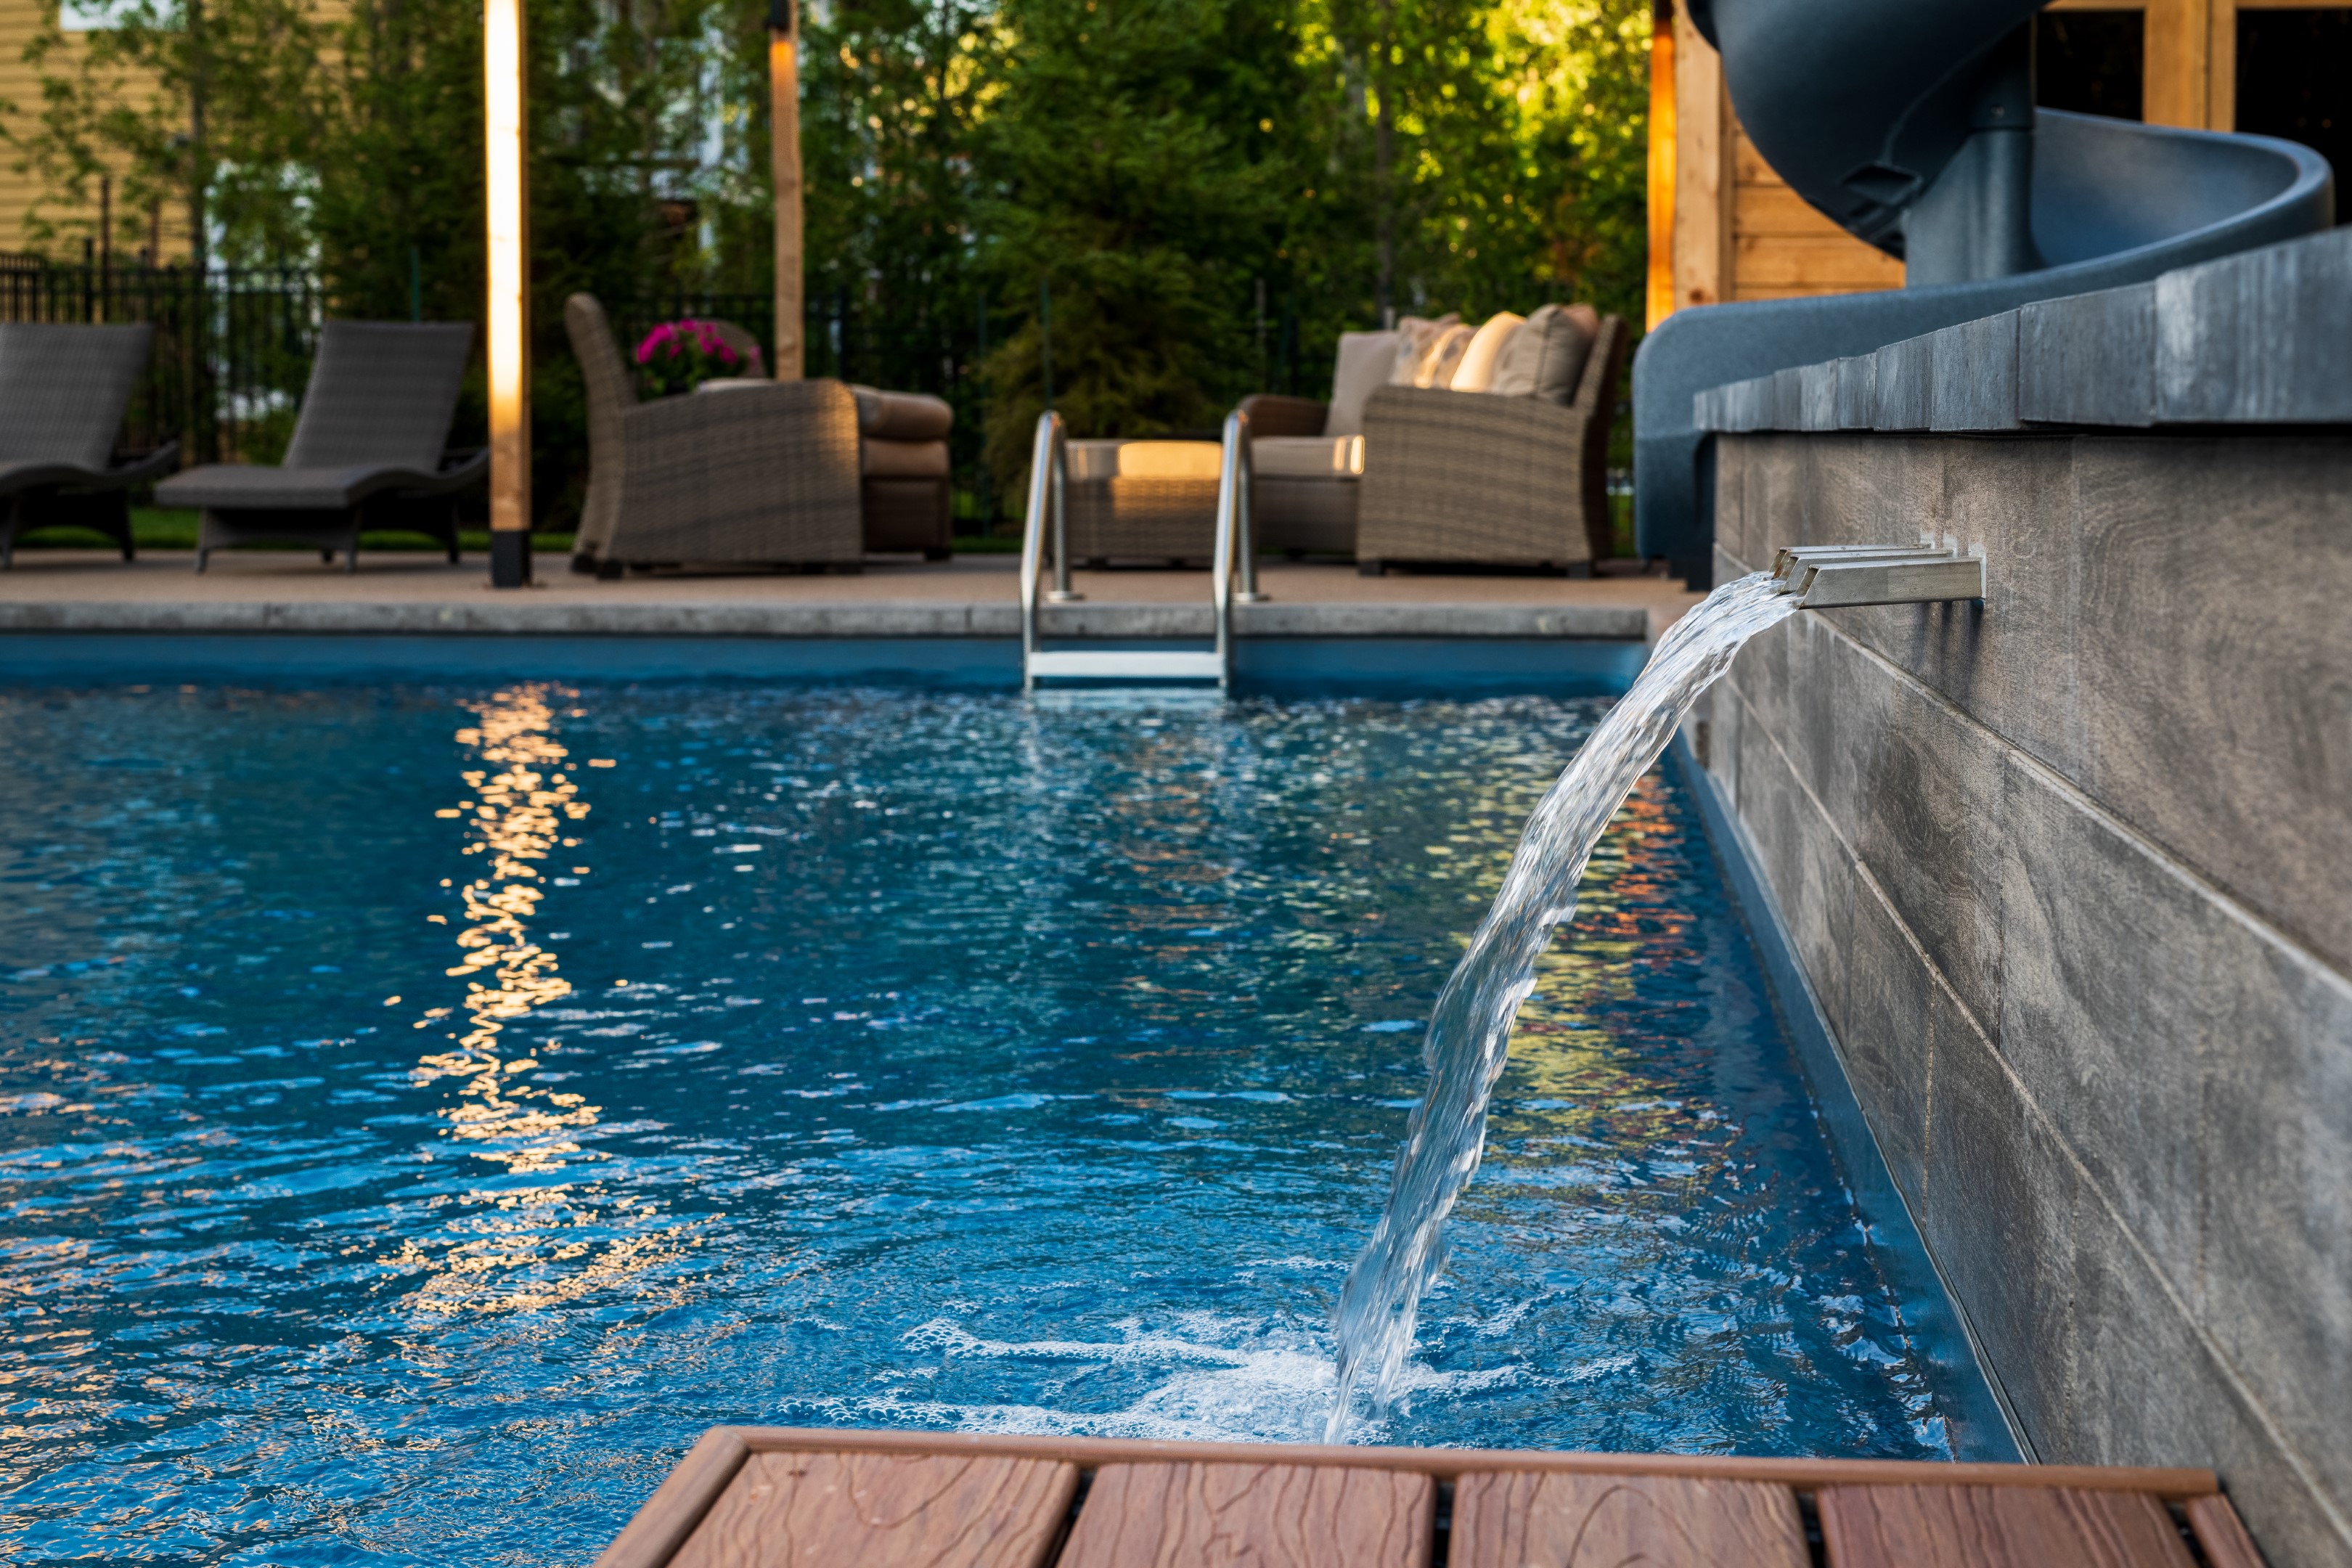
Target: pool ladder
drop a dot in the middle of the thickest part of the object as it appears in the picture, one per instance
(1046, 532)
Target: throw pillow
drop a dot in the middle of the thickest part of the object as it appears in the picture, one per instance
(1545, 357)
(1365, 360)
(1416, 336)
(1437, 368)
(1476, 371)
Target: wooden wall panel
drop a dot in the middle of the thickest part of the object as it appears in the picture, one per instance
(1781, 248)
(1702, 233)
(1738, 231)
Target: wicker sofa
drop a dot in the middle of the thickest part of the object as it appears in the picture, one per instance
(1464, 476)
(753, 473)
(1395, 474)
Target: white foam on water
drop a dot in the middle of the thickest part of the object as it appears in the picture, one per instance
(1219, 1379)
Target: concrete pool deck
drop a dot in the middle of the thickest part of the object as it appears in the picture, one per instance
(971, 597)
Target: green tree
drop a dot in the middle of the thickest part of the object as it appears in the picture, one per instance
(1132, 166)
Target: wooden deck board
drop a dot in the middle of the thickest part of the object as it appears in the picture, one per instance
(1512, 1519)
(2219, 1535)
(766, 1497)
(1989, 1527)
(1803, 1474)
(884, 1510)
(1257, 1515)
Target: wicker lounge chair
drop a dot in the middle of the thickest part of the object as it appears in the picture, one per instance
(62, 392)
(894, 466)
(1470, 477)
(759, 474)
(367, 451)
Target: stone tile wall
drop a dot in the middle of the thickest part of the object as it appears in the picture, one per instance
(2071, 873)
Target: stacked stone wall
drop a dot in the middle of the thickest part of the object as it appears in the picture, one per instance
(2071, 874)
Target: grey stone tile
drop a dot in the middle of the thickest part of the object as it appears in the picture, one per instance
(2109, 991)
(1975, 367)
(2276, 1282)
(2150, 1391)
(1847, 490)
(2216, 683)
(1904, 384)
(1766, 681)
(2089, 359)
(2010, 661)
(1730, 503)
(1857, 392)
(2262, 336)
(1748, 404)
(1817, 397)
(1926, 809)
(1819, 724)
(1787, 400)
(1998, 1211)
(1712, 731)
(1811, 878)
(1886, 1033)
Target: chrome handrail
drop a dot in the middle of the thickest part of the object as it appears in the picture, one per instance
(1048, 490)
(1235, 546)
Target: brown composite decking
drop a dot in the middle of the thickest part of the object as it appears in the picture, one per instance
(772, 1497)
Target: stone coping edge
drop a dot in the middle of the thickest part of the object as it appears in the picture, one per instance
(2259, 338)
(1614, 623)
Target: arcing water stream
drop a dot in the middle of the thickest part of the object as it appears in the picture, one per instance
(1469, 1034)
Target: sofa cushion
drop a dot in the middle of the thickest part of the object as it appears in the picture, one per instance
(879, 459)
(1417, 338)
(1546, 357)
(901, 415)
(1476, 371)
(1308, 456)
(1365, 360)
(1437, 368)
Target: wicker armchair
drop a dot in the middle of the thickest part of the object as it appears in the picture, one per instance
(1297, 507)
(759, 475)
(1470, 477)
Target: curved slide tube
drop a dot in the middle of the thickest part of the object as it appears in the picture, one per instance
(1901, 121)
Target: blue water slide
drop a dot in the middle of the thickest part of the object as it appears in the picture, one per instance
(1911, 124)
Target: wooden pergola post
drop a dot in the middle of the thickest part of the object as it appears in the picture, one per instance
(785, 156)
(504, 68)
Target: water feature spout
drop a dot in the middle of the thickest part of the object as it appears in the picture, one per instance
(1831, 576)
(1469, 1030)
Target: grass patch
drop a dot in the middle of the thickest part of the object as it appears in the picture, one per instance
(161, 528)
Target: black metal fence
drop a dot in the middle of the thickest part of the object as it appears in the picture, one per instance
(233, 347)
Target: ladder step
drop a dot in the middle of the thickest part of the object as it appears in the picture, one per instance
(1107, 664)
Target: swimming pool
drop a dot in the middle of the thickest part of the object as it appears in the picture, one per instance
(427, 1107)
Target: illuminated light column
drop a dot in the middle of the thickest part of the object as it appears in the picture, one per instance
(785, 155)
(509, 226)
(1662, 163)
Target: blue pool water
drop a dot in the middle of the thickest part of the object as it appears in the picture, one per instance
(424, 1110)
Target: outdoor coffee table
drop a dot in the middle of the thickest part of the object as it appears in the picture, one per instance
(1143, 499)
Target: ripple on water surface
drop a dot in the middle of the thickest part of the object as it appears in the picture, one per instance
(422, 1112)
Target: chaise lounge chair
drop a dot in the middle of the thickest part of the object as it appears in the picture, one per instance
(62, 392)
(367, 451)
